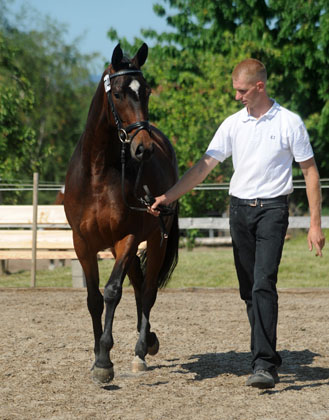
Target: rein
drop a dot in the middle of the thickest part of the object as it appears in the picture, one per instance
(126, 139)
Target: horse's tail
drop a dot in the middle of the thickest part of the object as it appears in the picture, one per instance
(171, 257)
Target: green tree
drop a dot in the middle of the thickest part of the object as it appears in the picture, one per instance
(302, 37)
(17, 138)
(58, 79)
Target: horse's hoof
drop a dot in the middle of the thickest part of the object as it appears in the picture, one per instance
(138, 365)
(152, 350)
(103, 375)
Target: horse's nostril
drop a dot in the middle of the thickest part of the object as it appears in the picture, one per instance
(139, 151)
(143, 153)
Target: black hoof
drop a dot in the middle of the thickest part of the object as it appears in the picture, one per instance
(152, 344)
(102, 375)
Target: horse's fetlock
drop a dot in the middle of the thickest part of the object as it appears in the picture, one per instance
(141, 349)
(107, 342)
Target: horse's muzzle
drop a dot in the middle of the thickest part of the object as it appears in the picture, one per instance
(142, 153)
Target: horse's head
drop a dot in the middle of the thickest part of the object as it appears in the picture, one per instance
(128, 96)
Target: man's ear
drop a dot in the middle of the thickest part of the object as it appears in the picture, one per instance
(260, 86)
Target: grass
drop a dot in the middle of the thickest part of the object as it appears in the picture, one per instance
(205, 267)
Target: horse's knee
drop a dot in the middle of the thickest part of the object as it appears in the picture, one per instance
(112, 292)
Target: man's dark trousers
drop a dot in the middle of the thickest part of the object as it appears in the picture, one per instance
(258, 228)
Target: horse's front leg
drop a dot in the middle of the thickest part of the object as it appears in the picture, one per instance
(95, 300)
(103, 370)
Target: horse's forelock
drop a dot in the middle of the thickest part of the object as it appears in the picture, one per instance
(124, 64)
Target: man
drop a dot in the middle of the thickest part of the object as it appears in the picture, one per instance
(263, 139)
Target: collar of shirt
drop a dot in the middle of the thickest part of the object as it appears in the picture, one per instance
(245, 116)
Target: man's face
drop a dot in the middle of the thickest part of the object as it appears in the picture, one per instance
(246, 92)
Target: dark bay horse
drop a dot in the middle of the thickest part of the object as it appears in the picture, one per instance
(119, 153)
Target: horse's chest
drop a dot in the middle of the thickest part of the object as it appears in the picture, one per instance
(109, 224)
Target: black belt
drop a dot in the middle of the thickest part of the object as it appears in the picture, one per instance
(258, 201)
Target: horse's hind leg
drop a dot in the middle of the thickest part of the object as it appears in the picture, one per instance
(137, 278)
(148, 342)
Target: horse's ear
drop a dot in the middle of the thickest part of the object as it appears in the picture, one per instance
(141, 56)
(116, 57)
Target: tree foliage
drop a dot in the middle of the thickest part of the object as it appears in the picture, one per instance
(17, 138)
(46, 89)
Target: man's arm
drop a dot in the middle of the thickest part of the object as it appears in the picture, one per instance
(313, 191)
(189, 180)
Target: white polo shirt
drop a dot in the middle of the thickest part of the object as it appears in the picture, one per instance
(262, 151)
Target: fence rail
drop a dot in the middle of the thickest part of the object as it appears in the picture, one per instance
(50, 186)
(222, 223)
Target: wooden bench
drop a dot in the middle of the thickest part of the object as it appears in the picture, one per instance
(54, 236)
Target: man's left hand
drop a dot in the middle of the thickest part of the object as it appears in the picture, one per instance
(316, 238)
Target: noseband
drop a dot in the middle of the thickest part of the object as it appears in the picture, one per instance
(123, 133)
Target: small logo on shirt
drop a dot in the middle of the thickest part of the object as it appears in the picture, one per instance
(272, 137)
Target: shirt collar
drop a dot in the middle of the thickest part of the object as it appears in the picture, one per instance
(269, 114)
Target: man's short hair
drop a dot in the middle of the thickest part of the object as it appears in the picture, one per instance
(254, 71)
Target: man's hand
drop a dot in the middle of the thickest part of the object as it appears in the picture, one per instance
(316, 238)
(162, 199)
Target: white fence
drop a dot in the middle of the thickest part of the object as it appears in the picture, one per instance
(52, 186)
(222, 223)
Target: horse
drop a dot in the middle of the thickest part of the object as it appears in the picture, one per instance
(119, 162)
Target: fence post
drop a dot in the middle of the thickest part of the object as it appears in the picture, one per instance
(78, 275)
(34, 229)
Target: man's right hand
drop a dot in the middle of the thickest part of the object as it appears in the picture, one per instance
(161, 199)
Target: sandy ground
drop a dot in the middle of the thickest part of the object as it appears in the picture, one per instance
(46, 352)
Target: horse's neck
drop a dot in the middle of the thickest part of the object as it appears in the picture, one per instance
(97, 115)
(100, 145)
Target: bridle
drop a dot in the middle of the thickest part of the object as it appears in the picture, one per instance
(126, 139)
(123, 133)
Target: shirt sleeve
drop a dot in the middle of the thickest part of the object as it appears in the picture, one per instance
(300, 146)
(220, 146)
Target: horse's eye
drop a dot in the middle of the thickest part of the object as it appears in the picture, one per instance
(116, 95)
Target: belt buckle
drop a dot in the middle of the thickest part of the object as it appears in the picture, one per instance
(254, 203)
